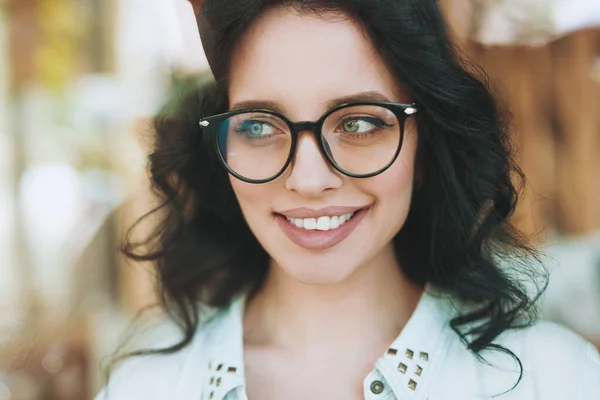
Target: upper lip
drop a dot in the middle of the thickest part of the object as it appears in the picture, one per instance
(327, 211)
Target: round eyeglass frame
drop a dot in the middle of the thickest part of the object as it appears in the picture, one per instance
(212, 125)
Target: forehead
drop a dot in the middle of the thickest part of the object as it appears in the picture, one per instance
(296, 59)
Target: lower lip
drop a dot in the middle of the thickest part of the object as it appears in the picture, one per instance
(319, 240)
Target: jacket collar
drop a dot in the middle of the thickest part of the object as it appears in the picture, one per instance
(416, 355)
(407, 366)
(214, 366)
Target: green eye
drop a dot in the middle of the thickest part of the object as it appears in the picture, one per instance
(256, 129)
(362, 125)
(351, 126)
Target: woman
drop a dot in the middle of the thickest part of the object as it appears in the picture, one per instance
(335, 220)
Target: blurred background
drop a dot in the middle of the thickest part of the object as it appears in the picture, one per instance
(79, 81)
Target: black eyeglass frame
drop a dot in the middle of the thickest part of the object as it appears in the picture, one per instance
(401, 110)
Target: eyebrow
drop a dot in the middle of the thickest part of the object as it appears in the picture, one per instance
(366, 97)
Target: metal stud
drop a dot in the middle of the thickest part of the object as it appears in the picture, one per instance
(219, 367)
(212, 380)
(392, 352)
(412, 384)
(419, 370)
(409, 353)
(424, 356)
(218, 381)
(211, 395)
(231, 370)
(377, 387)
(204, 123)
(402, 368)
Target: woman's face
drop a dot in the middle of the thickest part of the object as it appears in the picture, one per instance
(302, 63)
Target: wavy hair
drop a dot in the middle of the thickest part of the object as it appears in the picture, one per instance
(457, 237)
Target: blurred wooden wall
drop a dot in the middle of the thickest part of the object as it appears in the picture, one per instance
(554, 97)
(556, 107)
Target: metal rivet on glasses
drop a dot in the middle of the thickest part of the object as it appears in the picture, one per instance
(410, 111)
(204, 123)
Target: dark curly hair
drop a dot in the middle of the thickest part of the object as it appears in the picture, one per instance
(457, 236)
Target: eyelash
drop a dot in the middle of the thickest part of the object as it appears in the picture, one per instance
(240, 130)
(377, 122)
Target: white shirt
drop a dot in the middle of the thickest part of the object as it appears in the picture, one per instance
(427, 361)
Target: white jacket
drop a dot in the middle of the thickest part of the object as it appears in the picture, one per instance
(426, 362)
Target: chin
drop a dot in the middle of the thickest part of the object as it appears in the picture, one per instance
(311, 271)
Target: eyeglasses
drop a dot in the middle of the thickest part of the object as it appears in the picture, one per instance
(359, 140)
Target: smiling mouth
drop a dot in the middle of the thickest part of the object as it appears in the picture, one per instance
(323, 223)
(320, 229)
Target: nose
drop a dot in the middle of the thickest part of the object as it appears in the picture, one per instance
(311, 174)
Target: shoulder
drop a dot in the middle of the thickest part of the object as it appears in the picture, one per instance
(557, 364)
(145, 377)
(557, 360)
(159, 376)
(546, 341)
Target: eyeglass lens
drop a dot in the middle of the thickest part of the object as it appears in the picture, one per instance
(360, 140)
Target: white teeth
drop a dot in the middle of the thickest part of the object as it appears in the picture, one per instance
(334, 223)
(310, 224)
(323, 223)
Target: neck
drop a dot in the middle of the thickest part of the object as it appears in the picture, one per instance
(370, 306)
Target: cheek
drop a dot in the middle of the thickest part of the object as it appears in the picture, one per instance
(256, 203)
(398, 179)
(393, 189)
(254, 200)
(247, 194)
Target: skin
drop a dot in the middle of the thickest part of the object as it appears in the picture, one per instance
(323, 317)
